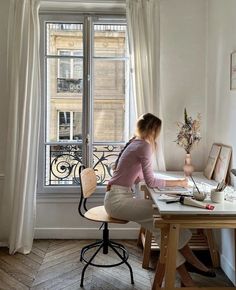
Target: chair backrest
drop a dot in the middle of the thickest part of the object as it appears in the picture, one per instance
(88, 180)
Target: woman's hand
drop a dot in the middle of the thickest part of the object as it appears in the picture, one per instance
(178, 182)
(183, 182)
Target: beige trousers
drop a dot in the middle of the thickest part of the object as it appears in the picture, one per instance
(120, 203)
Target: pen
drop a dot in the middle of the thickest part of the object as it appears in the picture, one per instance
(179, 194)
(172, 201)
(195, 184)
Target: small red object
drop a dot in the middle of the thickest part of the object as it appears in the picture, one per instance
(210, 207)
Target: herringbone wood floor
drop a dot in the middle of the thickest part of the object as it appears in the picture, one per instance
(55, 265)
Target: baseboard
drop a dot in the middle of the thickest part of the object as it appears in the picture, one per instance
(84, 233)
(228, 269)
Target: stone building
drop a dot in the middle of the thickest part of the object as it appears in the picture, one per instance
(65, 82)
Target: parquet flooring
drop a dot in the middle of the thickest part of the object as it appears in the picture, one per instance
(55, 265)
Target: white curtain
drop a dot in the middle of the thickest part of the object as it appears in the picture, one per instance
(143, 17)
(17, 204)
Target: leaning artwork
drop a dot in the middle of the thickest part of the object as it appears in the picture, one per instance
(222, 164)
(211, 161)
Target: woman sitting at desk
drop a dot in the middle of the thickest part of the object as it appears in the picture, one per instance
(134, 164)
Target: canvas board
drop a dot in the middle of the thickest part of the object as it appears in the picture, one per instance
(211, 161)
(222, 164)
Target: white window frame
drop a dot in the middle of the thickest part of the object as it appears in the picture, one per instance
(88, 106)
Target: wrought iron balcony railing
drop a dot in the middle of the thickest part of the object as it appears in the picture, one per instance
(63, 162)
(69, 85)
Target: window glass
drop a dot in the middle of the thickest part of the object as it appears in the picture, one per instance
(64, 125)
(62, 36)
(77, 125)
(86, 98)
(110, 40)
(63, 95)
(110, 87)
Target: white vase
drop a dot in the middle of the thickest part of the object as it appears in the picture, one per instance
(188, 167)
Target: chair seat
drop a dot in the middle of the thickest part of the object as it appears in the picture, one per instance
(99, 214)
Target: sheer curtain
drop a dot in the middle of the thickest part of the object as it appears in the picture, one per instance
(17, 204)
(143, 17)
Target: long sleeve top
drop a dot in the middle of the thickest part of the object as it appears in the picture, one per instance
(135, 164)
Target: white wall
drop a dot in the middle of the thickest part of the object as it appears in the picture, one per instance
(221, 105)
(59, 218)
(183, 74)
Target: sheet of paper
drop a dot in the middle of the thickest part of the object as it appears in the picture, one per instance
(174, 189)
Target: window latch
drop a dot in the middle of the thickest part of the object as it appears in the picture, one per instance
(87, 140)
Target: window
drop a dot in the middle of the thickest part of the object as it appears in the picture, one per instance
(69, 126)
(70, 72)
(85, 80)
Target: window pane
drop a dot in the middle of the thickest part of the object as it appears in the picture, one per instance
(63, 95)
(109, 100)
(64, 126)
(63, 164)
(104, 158)
(64, 36)
(60, 80)
(77, 125)
(78, 69)
(110, 40)
(64, 65)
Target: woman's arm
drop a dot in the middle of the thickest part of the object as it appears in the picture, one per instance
(178, 182)
(151, 181)
(145, 155)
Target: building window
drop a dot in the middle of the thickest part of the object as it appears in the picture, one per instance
(69, 126)
(70, 72)
(85, 75)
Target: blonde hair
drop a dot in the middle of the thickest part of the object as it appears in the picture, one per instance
(148, 127)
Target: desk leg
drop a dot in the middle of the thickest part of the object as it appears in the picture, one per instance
(171, 256)
(212, 248)
(147, 249)
(160, 269)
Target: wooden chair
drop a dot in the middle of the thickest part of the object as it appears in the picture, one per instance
(88, 183)
(201, 240)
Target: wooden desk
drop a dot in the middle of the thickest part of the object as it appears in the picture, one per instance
(175, 216)
(201, 240)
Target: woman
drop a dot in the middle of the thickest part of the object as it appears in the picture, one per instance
(134, 164)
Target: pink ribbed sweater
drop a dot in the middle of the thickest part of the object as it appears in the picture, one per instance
(135, 164)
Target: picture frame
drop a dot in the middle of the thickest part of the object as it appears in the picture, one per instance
(222, 164)
(233, 71)
(211, 161)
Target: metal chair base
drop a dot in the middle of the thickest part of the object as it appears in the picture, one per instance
(104, 245)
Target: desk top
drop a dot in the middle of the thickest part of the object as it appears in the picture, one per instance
(225, 208)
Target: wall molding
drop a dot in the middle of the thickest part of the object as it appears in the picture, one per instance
(2, 176)
(67, 198)
(228, 269)
(84, 233)
(91, 6)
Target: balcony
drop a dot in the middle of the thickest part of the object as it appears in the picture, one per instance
(69, 85)
(63, 162)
